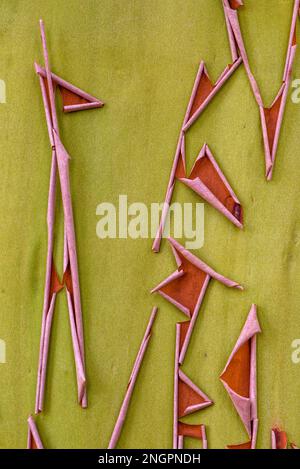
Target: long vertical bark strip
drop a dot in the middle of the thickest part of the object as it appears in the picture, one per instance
(253, 391)
(44, 355)
(47, 109)
(232, 42)
(49, 265)
(80, 371)
(175, 403)
(204, 437)
(51, 118)
(292, 40)
(49, 262)
(132, 380)
(180, 442)
(49, 79)
(60, 160)
(63, 169)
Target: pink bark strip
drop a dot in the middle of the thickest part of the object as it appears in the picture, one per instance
(132, 380)
(60, 160)
(178, 305)
(204, 438)
(171, 183)
(47, 110)
(175, 399)
(63, 169)
(47, 301)
(168, 198)
(51, 118)
(95, 102)
(173, 276)
(49, 78)
(202, 266)
(273, 440)
(180, 442)
(33, 433)
(44, 355)
(81, 107)
(232, 42)
(292, 41)
(80, 371)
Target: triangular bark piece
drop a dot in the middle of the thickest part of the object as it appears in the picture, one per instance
(207, 180)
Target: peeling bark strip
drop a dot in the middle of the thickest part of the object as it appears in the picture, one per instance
(239, 378)
(131, 383)
(33, 440)
(188, 398)
(73, 99)
(207, 180)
